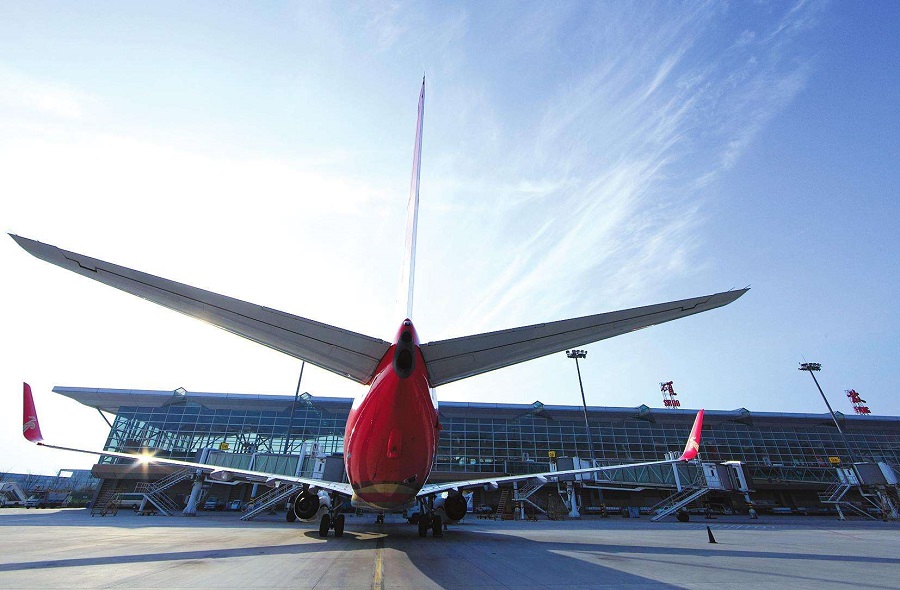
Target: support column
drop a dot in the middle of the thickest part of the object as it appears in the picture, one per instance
(191, 508)
(573, 500)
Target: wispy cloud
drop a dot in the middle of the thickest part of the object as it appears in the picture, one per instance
(23, 94)
(619, 158)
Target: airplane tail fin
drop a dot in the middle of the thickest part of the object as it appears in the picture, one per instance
(31, 429)
(405, 293)
(693, 443)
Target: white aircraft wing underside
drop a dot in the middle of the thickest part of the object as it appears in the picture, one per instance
(458, 486)
(346, 353)
(222, 474)
(458, 358)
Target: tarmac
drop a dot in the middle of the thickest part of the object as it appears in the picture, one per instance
(67, 548)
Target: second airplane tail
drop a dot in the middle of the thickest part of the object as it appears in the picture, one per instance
(693, 443)
(31, 429)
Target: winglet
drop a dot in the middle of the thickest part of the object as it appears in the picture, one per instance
(693, 443)
(31, 429)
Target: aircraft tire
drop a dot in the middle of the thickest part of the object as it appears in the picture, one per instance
(438, 526)
(339, 525)
(423, 527)
(324, 525)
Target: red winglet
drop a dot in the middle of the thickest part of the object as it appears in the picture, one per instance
(30, 427)
(693, 443)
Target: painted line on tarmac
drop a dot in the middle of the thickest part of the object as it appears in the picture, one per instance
(378, 575)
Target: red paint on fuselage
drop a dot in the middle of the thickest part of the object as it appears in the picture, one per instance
(391, 435)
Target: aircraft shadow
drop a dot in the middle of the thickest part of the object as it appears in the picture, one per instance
(466, 558)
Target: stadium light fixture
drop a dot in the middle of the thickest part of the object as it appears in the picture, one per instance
(582, 354)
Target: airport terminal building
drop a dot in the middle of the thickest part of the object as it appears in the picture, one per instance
(788, 459)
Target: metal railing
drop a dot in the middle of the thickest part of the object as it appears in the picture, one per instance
(270, 498)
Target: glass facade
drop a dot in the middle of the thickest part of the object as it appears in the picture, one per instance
(182, 431)
(487, 438)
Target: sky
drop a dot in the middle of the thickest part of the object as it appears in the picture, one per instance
(578, 157)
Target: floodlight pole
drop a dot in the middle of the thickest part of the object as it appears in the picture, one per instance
(287, 436)
(582, 354)
(811, 368)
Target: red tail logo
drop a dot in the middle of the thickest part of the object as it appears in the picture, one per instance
(693, 444)
(31, 429)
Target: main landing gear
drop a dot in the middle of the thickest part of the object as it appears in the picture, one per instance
(429, 519)
(333, 519)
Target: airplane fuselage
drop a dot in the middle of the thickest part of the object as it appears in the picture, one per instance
(392, 431)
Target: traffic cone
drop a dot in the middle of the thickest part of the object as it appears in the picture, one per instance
(711, 538)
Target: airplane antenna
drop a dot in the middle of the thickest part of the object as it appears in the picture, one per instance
(407, 280)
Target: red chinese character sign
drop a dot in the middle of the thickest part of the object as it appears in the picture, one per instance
(669, 395)
(859, 404)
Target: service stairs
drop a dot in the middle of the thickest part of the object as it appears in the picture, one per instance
(676, 502)
(501, 507)
(155, 492)
(107, 500)
(271, 498)
(525, 491)
(835, 496)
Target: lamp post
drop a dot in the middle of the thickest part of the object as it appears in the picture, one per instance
(582, 354)
(811, 368)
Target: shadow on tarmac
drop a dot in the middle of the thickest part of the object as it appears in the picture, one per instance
(463, 558)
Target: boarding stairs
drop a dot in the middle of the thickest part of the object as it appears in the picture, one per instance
(107, 500)
(271, 498)
(835, 496)
(154, 492)
(524, 492)
(676, 502)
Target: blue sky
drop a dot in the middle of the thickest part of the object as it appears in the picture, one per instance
(577, 158)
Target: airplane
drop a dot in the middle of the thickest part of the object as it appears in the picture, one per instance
(393, 427)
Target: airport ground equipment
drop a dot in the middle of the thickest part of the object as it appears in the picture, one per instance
(875, 484)
(106, 501)
(275, 497)
(523, 493)
(11, 494)
(728, 477)
(156, 495)
(676, 502)
(501, 506)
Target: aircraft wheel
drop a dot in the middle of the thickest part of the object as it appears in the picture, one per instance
(423, 527)
(290, 515)
(438, 526)
(324, 525)
(413, 519)
(339, 525)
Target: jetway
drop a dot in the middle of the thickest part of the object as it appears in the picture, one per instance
(723, 477)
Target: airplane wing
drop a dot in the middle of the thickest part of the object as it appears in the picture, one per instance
(458, 358)
(346, 353)
(31, 429)
(691, 448)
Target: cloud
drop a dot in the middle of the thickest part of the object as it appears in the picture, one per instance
(23, 94)
(619, 158)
